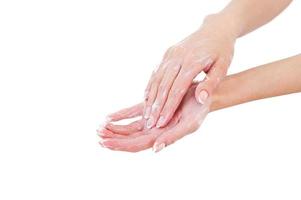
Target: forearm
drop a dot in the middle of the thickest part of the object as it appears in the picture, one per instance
(273, 79)
(240, 17)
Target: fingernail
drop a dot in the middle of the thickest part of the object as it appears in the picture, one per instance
(158, 147)
(150, 122)
(147, 112)
(99, 133)
(107, 120)
(160, 122)
(203, 96)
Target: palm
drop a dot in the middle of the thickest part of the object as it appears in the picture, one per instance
(133, 137)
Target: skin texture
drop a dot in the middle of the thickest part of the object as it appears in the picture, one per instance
(209, 49)
(133, 137)
(273, 79)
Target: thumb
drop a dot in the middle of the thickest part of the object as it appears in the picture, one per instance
(172, 135)
(205, 88)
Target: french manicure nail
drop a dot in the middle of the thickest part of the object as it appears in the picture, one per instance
(147, 112)
(203, 96)
(160, 122)
(150, 122)
(158, 147)
(100, 134)
(107, 119)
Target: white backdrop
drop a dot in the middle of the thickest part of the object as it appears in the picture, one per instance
(65, 64)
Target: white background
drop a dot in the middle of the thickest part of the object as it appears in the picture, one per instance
(65, 64)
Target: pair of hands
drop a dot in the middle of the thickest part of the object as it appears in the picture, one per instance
(174, 106)
(134, 137)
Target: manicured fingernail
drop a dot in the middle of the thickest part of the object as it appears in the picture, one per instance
(203, 96)
(107, 120)
(160, 122)
(158, 147)
(150, 122)
(99, 133)
(147, 112)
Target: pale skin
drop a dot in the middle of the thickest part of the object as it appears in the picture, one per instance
(273, 79)
(209, 49)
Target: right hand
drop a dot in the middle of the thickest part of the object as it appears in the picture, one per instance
(209, 49)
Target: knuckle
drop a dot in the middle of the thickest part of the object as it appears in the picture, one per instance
(175, 68)
(169, 51)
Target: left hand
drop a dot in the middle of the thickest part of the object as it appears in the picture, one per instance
(134, 138)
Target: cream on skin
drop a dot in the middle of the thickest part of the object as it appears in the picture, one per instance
(274, 79)
(209, 49)
(133, 137)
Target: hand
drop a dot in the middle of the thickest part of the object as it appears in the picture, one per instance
(209, 49)
(133, 137)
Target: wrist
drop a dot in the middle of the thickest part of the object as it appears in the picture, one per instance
(224, 94)
(222, 23)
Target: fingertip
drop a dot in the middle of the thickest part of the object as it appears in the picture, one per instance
(160, 122)
(202, 96)
(150, 122)
(165, 119)
(158, 146)
(108, 119)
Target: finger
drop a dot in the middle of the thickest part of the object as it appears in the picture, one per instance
(163, 90)
(156, 79)
(216, 73)
(152, 94)
(175, 96)
(126, 113)
(105, 133)
(126, 129)
(137, 141)
(148, 87)
(129, 144)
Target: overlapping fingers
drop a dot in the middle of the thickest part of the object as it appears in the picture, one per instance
(214, 76)
(127, 129)
(173, 68)
(136, 141)
(171, 61)
(130, 144)
(181, 84)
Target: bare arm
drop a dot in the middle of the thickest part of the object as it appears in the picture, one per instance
(278, 78)
(244, 16)
(209, 49)
(273, 79)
